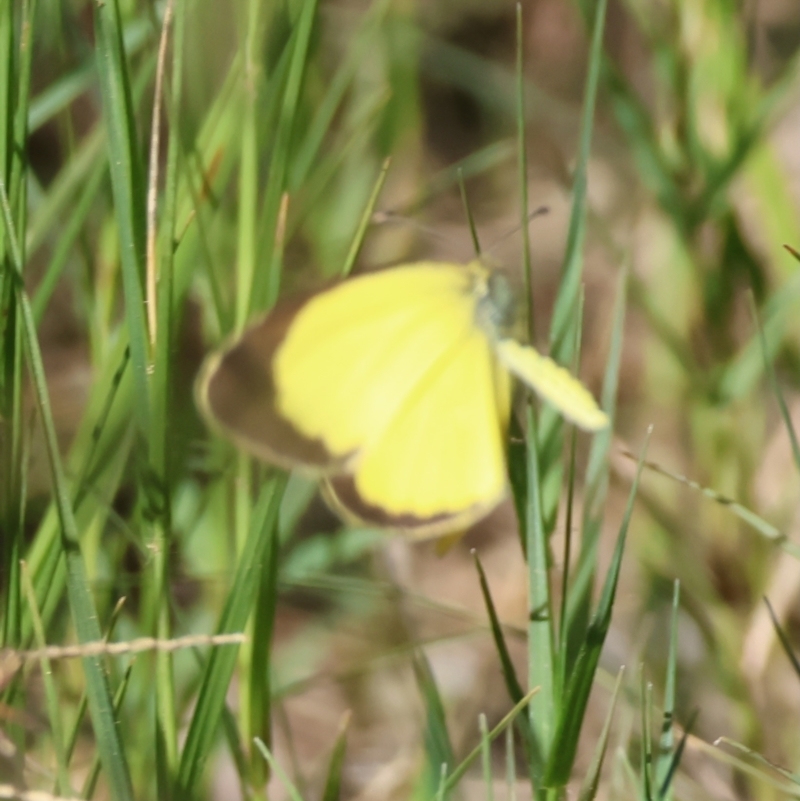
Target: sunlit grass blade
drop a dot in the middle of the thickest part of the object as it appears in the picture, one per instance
(565, 741)
(258, 551)
(591, 781)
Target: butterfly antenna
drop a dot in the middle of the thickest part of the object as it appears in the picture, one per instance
(395, 218)
(540, 212)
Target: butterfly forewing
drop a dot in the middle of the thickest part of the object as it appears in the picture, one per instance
(355, 353)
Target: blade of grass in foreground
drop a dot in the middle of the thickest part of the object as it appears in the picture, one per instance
(258, 549)
(578, 601)
(84, 613)
(568, 729)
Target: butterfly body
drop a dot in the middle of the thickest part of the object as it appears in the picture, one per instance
(395, 387)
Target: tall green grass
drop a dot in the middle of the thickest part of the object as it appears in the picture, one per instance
(271, 159)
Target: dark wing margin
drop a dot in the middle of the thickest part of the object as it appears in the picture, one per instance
(236, 394)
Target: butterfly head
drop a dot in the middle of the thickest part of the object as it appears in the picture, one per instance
(496, 307)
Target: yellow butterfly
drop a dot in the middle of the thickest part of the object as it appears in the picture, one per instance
(394, 387)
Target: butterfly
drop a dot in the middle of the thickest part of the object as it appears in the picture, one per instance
(394, 388)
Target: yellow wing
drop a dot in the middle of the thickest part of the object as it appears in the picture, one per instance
(553, 383)
(354, 353)
(440, 464)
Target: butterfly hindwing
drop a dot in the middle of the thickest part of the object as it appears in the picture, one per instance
(441, 462)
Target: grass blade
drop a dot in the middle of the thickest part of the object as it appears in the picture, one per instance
(591, 781)
(128, 188)
(84, 613)
(565, 742)
(257, 551)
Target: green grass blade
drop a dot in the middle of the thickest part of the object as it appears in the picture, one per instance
(54, 708)
(561, 339)
(310, 149)
(663, 763)
(569, 725)
(665, 788)
(84, 613)
(366, 218)
(267, 282)
(333, 782)
(161, 264)
(260, 656)
(591, 781)
(473, 230)
(541, 657)
(274, 766)
(646, 777)
(67, 239)
(438, 749)
(128, 189)
(456, 775)
(220, 666)
(486, 758)
(513, 686)
(578, 600)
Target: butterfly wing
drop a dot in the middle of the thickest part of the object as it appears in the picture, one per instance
(236, 393)
(319, 376)
(353, 354)
(552, 382)
(440, 465)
